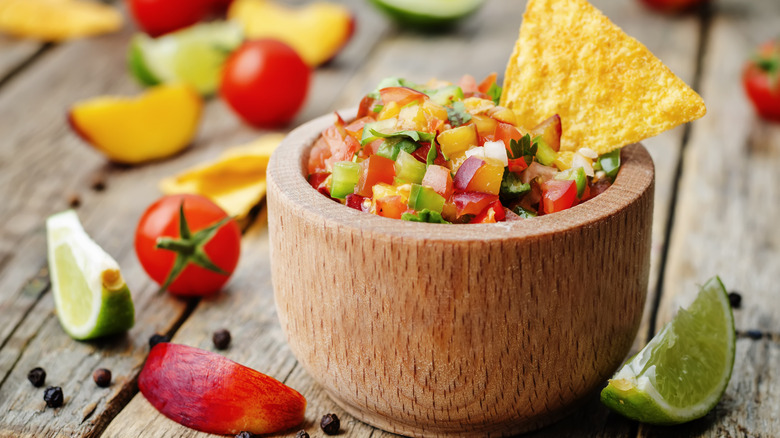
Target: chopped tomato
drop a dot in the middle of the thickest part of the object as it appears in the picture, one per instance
(468, 84)
(491, 214)
(366, 106)
(422, 155)
(488, 82)
(319, 153)
(341, 148)
(391, 206)
(506, 133)
(355, 128)
(439, 179)
(402, 96)
(517, 165)
(375, 169)
(318, 180)
(355, 201)
(558, 195)
(472, 202)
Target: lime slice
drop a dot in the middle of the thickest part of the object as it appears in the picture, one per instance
(193, 55)
(90, 294)
(428, 13)
(683, 371)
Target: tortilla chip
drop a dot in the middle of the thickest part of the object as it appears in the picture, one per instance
(236, 181)
(609, 90)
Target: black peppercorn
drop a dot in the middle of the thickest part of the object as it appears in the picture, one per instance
(735, 299)
(330, 424)
(156, 339)
(102, 377)
(37, 376)
(302, 434)
(754, 334)
(53, 396)
(244, 434)
(221, 339)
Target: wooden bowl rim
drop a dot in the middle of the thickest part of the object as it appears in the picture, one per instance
(287, 167)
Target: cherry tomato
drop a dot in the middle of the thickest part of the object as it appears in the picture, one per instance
(674, 6)
(761, 79)
(265, 82)
(158, 244)
(157, 17)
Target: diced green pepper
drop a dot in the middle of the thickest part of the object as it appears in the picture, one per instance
(344, 178)
(428, 216)
(408, 169)
(446, 95)
(512, 187)
(544, 153)
(610, 163)
(523, 213)
(421, 197)
(577, 175)
(391, 147)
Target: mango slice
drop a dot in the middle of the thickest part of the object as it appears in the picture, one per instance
(57, 20)
(157, 124)
(317, 31)
(235, 181)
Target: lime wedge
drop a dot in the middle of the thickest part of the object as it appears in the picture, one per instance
(90, 294)
(428, 13)
(683, 371)
(193, 55)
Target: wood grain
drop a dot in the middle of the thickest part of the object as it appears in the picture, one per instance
(434, 330)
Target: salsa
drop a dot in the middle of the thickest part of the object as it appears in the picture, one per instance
(449, 153)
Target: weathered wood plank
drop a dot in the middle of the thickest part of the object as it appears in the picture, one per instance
(727, 219)
(15, 52)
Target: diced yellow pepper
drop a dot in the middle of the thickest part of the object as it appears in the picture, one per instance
(504, 115)
(435, 110)
(485, 125)
(456, 160)
(475, 105)
(488, 177)
(412, 118)
(383, 190)
(563, 162)
(457, 140)
(388, 111)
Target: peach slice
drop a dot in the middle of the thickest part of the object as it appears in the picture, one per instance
(157, 124)
(210, 393)
(317, 31)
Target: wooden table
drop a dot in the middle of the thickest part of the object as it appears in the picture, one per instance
(716, 211)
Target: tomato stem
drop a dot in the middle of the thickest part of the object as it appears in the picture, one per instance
(189, 248)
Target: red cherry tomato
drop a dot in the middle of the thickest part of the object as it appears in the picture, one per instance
(157, 17)
(265, 82)
(761, 79)
(160, 225)
(674, 6)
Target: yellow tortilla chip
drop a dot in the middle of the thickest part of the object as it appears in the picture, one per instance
(235, 181)
(607, 87)
(57, 20)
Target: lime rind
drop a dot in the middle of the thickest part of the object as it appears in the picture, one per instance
(91, 297)
(428, 14)
(193, 55)
(684, 370)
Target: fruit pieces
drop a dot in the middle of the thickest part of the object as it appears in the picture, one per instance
(235, 181)
(193, 55)
(157, 124)
(90, 294)
(683, 371)
(210, 393)
(428, 14)
(57, 20)
(761, 79)
(158, 17)
(317, 31)
(625, 97)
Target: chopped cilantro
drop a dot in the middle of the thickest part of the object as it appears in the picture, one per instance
(425, 215)
(495, 92)
(457, 114)
(414, 135)
(525, 148)
(432, 154)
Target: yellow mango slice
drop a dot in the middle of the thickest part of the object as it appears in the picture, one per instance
(316, 31)
(131, 130)
(57, 20)
(235, 181)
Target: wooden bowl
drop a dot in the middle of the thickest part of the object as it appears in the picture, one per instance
(434, 330)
